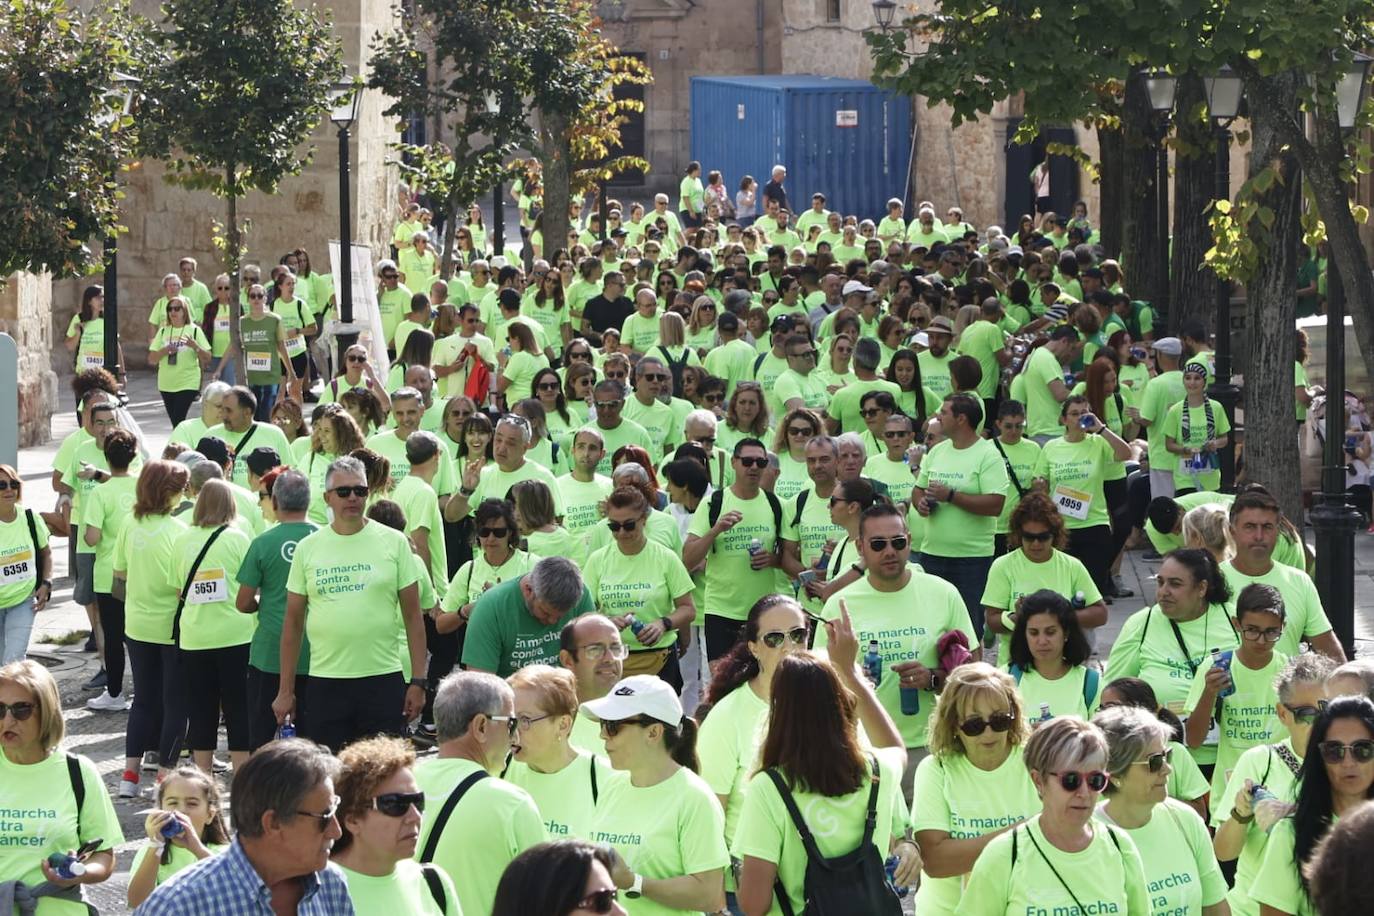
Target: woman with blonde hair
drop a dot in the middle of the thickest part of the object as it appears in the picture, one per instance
(797, 427)
(973, 786)
(746, 416)
(672, 346)
(335, 433)
(701, 330)
(1209, 528)
(967, 315)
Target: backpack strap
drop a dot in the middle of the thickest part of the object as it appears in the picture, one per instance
(759, 362)
(1011, 474)
(33, 534)
(190, 577)
(801, 506)
(78, 787)
(436, 885)
(595, 794)
(776, 505)
(1090, 681)
(432, 842)
(1015, 671)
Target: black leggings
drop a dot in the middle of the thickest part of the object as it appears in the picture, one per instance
(1093, 548)
(342, 710)
(1362, 498)
(112, 625)
(721, 635)
(178, 404)
(216, 679)
(157, 719)
(1119, 511)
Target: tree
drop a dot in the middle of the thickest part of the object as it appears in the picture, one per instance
(237, 91)
(63, 137)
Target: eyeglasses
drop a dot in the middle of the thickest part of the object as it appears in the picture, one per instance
(398, 804)
(1155, 761)
(753, 462)
(1334, 751)
(323, 819)
(871, 412)
(895, 433)
(1269, 634)
(612, 727)
(802, 354)
(797, 636)
(999, 722)
(599, 902)
(20, 711)
(878, 545)
(617, 527)
(1303, 715)
(345, 492)
(548, 386)
(493, 532)
(801, 431)
(1070, 780)
(596, 651)
(610, 405)
(512, 723)
(526, 722)
(355, 358)
(1037, 535)
(708, 441)
(840, 499)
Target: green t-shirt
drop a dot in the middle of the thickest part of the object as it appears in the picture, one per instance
(1023, 457)
(1247, 716)
(209, 618)
(255, 436)
(906, 400)
(766, 374)
(144, 551)
(639, 333)
(1106, 877)
(421, 506)
(1075, 472)
(728, 747)
(935, 372)
(1042, 410)
(580, 501)
(662, 528)
(90, 351)
(87, 453)
(906, 624)
(627, 433)
(295, 315)
(1161, 393)
(895, 475)
(107, 507)
(983, 340)
(1263, 766)
(41, 818)
(19, 566)
(1304, 617)
(475, 859)
(392, 305)
(733, 361)
(1073, 694)
(1278, 884)
(564, 799)
(1165, 542)
(180, 859)
(476, 577)
(810, 529)
(179, 370)
(405, 890)
(657, 420)
(666, 830)
(1186, 782)
(809, 389)
(1015, 575)
(975, 470)
(766, 830)
(646, 584)
(952, 796)
(550, 318)
(494, 483)
(732, 586)
(266, 567)
(1181, 871)
(891, 228)
(520, 370)
(351, 584)
(392, 447)
(1197, 438)
(502, 635)
(792, 477)
(261, 358)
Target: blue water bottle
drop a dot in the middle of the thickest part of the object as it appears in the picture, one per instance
(873, 663)
(66, 866)
(173, 828)
(911, 701)
(287, 729)
(636, 625)
(1222, 660)
(890, 866)
(1079, 600)
(1044, 714)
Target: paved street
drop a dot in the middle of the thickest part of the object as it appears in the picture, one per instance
(100, 735)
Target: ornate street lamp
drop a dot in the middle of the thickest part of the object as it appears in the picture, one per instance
(123, 88)
(884, 11)
(344, 98)
(1225, 91)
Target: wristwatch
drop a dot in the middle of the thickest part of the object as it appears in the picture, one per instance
(48, 583)
(466, 492)
(1236, 816)
(950, 497)
(421, 682)
(636, 890)
(668, 625)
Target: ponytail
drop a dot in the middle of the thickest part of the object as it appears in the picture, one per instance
(681, 743)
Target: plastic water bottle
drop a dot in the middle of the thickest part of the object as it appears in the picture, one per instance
(1079, 600)
(1087, 421)
(755, 547)
(1259, 794)
(890, 866)
(911, 700)
(873, 663)
(66, 866)
(1222, 660)
(1140, 352)
(1069, 379)
(173, 828)
(636, 625)
(287, 729)
(1044, 714)
(824, 559)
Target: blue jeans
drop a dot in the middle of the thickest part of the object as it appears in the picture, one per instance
(967, 574)
(16, 623)
(229, 367)
(267, 396)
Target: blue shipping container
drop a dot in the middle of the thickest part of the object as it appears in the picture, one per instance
(847, 139)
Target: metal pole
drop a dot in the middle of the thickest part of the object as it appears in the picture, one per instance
(498, 220)
(1162, 182)
(112, 306)
(349, 335)
(1222, 390)
(604, 208)
(1333, 519)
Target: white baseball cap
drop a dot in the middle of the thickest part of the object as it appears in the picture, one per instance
(854, 286)
(637, 695)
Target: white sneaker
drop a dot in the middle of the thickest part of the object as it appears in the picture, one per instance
(107, 703)
(151, 762)
(128, 788)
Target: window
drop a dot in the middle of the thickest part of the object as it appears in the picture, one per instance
(832, 10)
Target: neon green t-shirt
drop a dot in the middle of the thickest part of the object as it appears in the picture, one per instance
(392, 305)
(646, 584)
(1023, 457)
(494, 483)
(935, 372)
(144, 551)
(1247, 716)
(19, 567)
(1181, 871)
(975, 470)
(1015, 575)
(810, 529)
(210, 619)
(421, 506)
(896, 475)
(476, 577)
(351, 585)
(564, 799)
(639, 333)
(1278, 883)
(181, 858)
(405, 890)
(1304, 617)
(108, 507)
(1075, 472)
(983, 340)
(728, 746)
(580, 501)
(1042, 410)
(184, 373)
(891, 227)
(1263, 766)
(1197, 438)
(257, 435)
(657, 420)
(90, 351)
(392, 447)
(1161, 393)
(732, 586)
(809, 389)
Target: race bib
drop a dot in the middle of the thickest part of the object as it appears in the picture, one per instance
(208, 587)
(259, 362)
(1072, 503)
(295, 346)
(222, 325)
(18, 567)
(92, 360)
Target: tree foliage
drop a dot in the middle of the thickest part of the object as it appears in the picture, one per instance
(62, 134)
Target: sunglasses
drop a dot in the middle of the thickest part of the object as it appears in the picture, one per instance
(586, 356)
(398, 804)
(1037, 535)
(712, 398)
(221, 287)
(610, 405)
(20, 711)
(1303, 715)
(804, 354)
(1334, 751)
(612, 727)
(257, 295)
(999, 722)
(345, 492)
(323, 820)
(493, 532)
(871, 412)
(1155, 761)
(1070, 780)
(895, 433)
(390, 276)
(753, 462)
(654, 377)
(175, 308)
(878, 545)
(800, 431)
(797, 636)
(354, 358)
(10, 485)
(548, 386)
(617, 527)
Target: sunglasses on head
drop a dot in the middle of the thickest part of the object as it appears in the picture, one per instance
(397, 804)
(797, 636)
(493, 532)
(1155, 761)
(345, 492)
(1037, 535)
(1070, 780)
(612, 727)
(753, 462)
(599, 902)
(20, 711)
(617, 527)
(899, 543)
(1334, 751)
(976, 725)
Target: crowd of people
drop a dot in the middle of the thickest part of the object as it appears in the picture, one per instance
(744, 561)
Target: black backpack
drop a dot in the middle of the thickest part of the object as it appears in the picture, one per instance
(718, 500)
(852, 883)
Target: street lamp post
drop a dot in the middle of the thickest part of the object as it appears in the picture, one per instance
(343, 103)
(884, 11)
(122, 87)
(1223, 105)
(1161, 87)
(1333, 518)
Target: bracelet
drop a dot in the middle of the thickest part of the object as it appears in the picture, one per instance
(1236, 816)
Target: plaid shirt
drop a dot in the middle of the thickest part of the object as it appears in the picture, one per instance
(227, 885)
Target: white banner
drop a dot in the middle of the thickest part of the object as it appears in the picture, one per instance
(367, 318)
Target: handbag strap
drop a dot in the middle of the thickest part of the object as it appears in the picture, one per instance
(190, 577)
(1011, 474)
(432, 842)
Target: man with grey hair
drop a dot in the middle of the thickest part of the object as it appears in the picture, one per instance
(651, 380)
(352, 589)
(851, 454)
(809, 535)
(473, 826)
(407, 411)
(517, 623)
(608, 399)
(189, 431)
(416, 496)
(699, 428)
(285, 826)
(483, 479)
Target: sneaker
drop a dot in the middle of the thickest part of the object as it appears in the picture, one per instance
(151, 762)
(90, 644)
(1120, 588)
(99, 682)
(219, 766)
(107, 703)
(128, 785)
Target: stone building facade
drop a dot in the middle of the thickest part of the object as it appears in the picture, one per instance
(25, 306)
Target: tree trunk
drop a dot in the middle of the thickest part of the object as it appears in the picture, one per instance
(555, 157)
(1111, 177)
(1143, 261)
(1271, 443)
(232, 256)
(450, 206)
(1192, 288)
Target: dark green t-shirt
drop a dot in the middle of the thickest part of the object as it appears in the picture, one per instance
(265, 567)
(503, 636)
(259, 343)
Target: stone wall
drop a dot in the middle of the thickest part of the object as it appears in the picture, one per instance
(25, 304)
